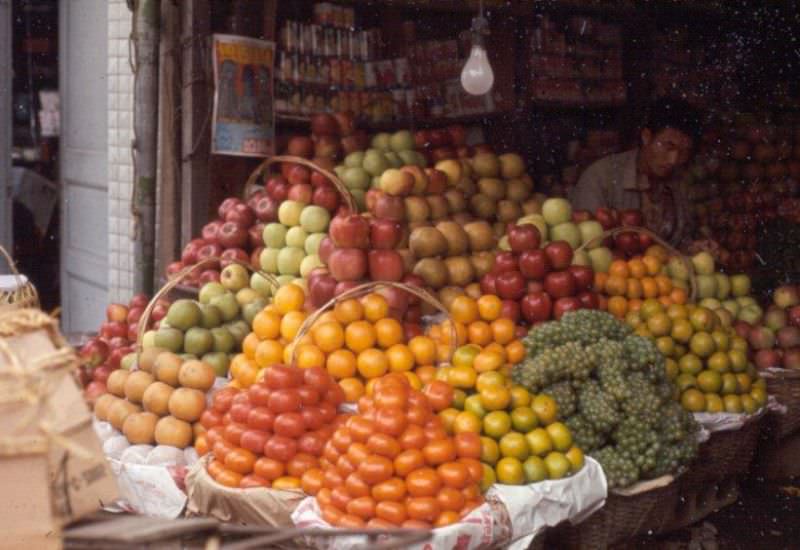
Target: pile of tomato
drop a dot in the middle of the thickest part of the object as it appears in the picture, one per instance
(272, 433)
(394, 465)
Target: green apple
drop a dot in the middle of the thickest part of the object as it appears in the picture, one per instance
(312, 243)
(706, 286)
(581, 257)
(591, 231)
(375, 163)
(360, 196)
(222, 340)
(184, 314)
(556, 210)
(211, 316)
(751, 314)
(409, 157)
(354, 159)
(401, 141)
(309, 264)
(711, 303)
(289, 260)
(187, 357)
(284, 280)
(566, 231)
(503, 244)
(357, 177)
(740, 285)
(340, 170)
(302, 283)
(296, 237)
(246, 295)
(239, 329)
(234, 277)
(261, 284)
(274, 235)
(601, 259)
(127, 361)
(381, 141)
(703, 263)
(149, 339)
(171, 339)
(219, 361)
(198, 341)
(732, 306)
(289, 213)
(725, 317)
(314, 219)
(745, 301)
(227, 305)
(393, 159)
(677, 269)
(249, 311)
(210, 290)
(269, 259)
(723, 286)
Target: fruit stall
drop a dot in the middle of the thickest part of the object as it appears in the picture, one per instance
(394, 328)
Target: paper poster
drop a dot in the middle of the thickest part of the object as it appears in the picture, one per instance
(243, 118)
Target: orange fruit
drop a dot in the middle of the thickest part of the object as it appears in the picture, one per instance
(267, 325)
(634, 305)
(308, 356)
(637, 268)
(359, 336)
(328, 336)
(634, 290)
(268, 353)
(291, 323)
(348, 311)
(653, 265)
(388, 332)
(489, 307)
(249, 345)
(449, 328)
(341, 364)
(664, 284)
(515, 352)
(616, 285)
(375, 307)
(600, 280)
(372, 363)
(658, 252)
(496, 348)
(400, 358)
(503, 330)
(353, 389)
(678, 296)
(464, 310)
(619, 268)
(649, 287)
(479, 333)
(289, 298)
(617, 306)
(424, 350)
(426, 373)
(487, 361)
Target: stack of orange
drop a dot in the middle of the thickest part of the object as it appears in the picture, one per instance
(274, 328)
(478, 323)
(628, 283)
(393, 465)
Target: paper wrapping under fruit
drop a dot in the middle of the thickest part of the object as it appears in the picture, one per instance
(253, 506)
(511, 516)
(150, 479)
(724, 422)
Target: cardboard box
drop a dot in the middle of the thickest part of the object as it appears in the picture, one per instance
(52, 468)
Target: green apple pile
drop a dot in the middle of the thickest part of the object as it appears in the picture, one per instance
(362, 170)
(292, 243)
(213, 327)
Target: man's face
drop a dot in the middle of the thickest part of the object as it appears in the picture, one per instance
(665, 151)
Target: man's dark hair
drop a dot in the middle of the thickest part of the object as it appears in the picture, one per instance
(674, 113)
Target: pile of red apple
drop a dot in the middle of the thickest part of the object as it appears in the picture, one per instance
(626, 244)
(332, 137)
(116, 338)
(443, 143)
(541, 280)
(775, 341)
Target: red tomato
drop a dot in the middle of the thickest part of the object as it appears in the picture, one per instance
(210, 418)
(395, 396)
(308, 395)
(261, 418)
(280, 448)
(332, 479)
(300, 464)
(356, 487)
(423, 482)
(213, 435)
(358, 453)
(418, 414)
(253, 480)
(334, 395)
(341, 439)
(384, 445)
(289, 424)
(318, 378)
(394, 512)
(391, 421)
(268, 468)
(439, 393)
(240, 411)
(233, 433)
(392, 489)
(325, 432)
(280, 377)
(221, 402)
(328, 412)
(312, 417)
(345, 466)
(311, 482)
(258, 394)
(229, 478)
(240, 461)
(375, 469)
(310, 443)
(254, 440)
(241, 398)
(423, 508)
(360, 428)
(362, 507)
(413, 437)
(285, 400)
(340, 497)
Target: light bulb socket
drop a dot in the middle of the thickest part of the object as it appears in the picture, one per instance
(480, 28)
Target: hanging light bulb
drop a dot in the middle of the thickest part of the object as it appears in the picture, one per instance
(477, 76)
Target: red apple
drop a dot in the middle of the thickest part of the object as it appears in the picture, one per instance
(742, 328)
(321, 289)
(116, 312)
(210, 231)
(318, 179)
(117, 354)
(458, 135)
(210, 251)
(208, 276)
(324, 124)
(559, 253)
(421, 139)
(510, 285)
(583, 275)
(607, 217)
(536, 306)
(159, 312)
(503, 262)
(327, 147)
(133, 332)
(589, 300)
(645, 241)
(94, 352)
(563, 305)
(113, 329)
(139, 300)
(559, 284)
(255, 257)
(300, 146)
(628, 243)
(389, 207)
(397, 299)
(524, 237)
(437, 181)
(266, 209)
(439, 138)
(534, 264)
(631, 217)
(233, 255)
(296, 174)
(327, 197)
(326, 246)
(227, 204)
(278, 188)
(384, 234)
(794, 316)
(509, 309)
(100, 374)
(581, 216)
(344, 286)
(348, 264)
(443, 153)
(413, 280)
(232, 235)
(189, 254)
(134, 314)
(255, 235)
(241, 214)
(791, 359)
(385, 265)
(534, 286)
(94, 389)
(413, 314)
(489, 284)
(351, 231)
(300, 192)
(346, 122)
(766, 358)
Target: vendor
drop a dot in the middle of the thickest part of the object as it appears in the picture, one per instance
(648, 177)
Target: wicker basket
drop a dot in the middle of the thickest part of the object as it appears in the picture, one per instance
(785, 386)
(262, 169)
(24, 295)
(622, 518)
(597, 241)
(697, 501)
(726, 454)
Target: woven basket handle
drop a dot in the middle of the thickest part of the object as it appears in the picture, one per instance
(362, 290)
(175, 281)
(12, 265)
(644, 231)
(262, 168)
